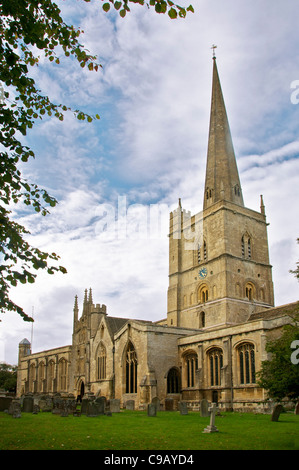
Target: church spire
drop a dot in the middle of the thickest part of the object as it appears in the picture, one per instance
(222, 178)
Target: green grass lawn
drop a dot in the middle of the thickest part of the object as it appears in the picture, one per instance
(134, 430)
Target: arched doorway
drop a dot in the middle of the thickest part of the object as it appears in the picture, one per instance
(80, 392)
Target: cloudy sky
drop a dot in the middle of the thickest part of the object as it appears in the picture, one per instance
(149, 149)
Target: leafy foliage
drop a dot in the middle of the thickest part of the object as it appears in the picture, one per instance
(27, 26)
(8, 377)
(279, 375)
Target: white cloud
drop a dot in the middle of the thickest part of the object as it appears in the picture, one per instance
(153, 96)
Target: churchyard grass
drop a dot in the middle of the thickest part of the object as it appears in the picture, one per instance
(134, 430)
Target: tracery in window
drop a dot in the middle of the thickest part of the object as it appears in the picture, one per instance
(173, 381)
(131, 369)
(246, 354)
(191, 364)
(215, 356)
(101, 363)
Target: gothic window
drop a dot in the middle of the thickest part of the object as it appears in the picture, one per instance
(131, 369)
(237, 190)
(215, 364)
(32, 377)
(62, 371)
(198, 254)
(173, 381)
(249, 291)
(246, 356)
(51, 371)
(101, 363)
(41, 375)
(203, 294)
(205, 256)
(191, 364)
(246, 246)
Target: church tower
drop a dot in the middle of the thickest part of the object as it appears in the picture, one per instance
(219, 270)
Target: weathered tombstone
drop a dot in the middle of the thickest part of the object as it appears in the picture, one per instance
(92, 409)
(168, 404)
(204, 408)
(297, 408)
(151, 410)
(57, 405)
(35, 410)
(15, 409)
(101, 403)
(156, 402)
(183, 408)
(45, 404)
(115, 405)
(212, 428)
(28, 404)
(130, 405)
(84, 404)
(276, 412)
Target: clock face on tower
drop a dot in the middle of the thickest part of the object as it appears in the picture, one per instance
(203, 273)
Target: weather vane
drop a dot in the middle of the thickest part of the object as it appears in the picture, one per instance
(214, 47)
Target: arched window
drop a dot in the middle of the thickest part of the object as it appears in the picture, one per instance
(205, 251)
(32, 377)
(173, 381)
(41, 375)
(131, 369)
(203, 294)
(62, 374)
(246, 355)
(101, 363)
(191, 364)
(215, 361)
(198, 254)
(246, 246)
(249, 291)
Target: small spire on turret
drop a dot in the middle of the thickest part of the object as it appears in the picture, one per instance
(262, 206)
(90, 297)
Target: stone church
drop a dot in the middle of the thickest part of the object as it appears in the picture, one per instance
(220, 309)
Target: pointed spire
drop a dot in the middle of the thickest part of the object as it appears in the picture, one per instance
(222, 177)
(76, 309)
(262, 206)
(90, 297)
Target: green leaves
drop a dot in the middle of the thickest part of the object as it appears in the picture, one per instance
(161, 6)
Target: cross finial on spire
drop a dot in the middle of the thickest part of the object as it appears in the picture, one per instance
(214, 47)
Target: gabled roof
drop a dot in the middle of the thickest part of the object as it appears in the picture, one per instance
(283, 310)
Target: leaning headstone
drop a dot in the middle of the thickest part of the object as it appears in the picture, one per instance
(212, 428)
(276, 412)
(115, 405)
(28, 404)
(168, 404)
(297, 408)
(151, 410)
(130, 405)
(156, 402)
(183, 408)
(204, 408)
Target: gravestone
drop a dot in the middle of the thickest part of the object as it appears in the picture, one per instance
(114, 405)
(212, 428)
(35, 410)
(92, 409)
(84, 404)
(15, 409)
(151, 410)
(296, 411)
(28, 404)
(276, 412)
(204, 408)
(183, 408)
(130, 405)
(57, 405)
(168, 404)
(101, 404)
(46, 404)
(156, 402)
